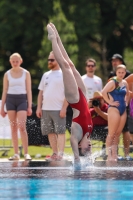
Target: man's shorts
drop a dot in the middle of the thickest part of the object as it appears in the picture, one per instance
(129, 123)
(51, 122)
(17, 102)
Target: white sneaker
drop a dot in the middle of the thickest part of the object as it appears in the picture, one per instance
(27, 157)
(128, 158)
(15, 157)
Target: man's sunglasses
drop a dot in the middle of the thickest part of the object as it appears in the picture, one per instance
(90, 65)
(51, 60)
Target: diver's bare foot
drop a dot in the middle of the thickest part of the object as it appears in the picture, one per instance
(51, 33)
(55, 30)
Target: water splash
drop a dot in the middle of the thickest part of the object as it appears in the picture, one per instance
(97, 154)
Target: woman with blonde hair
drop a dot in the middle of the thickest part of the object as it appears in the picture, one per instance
(116, 94)
(18, 99)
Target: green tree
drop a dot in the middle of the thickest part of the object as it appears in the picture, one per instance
(67, 33)
(102, 28)
(21, 30)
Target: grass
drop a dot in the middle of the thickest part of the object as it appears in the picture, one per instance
(33, 150)
(46, 150)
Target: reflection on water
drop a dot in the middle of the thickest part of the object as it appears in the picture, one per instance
(64, 170)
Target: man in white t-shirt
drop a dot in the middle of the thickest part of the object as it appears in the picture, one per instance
(52, 107)
(92, 82)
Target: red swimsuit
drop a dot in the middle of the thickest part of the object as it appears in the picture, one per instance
(84, 118)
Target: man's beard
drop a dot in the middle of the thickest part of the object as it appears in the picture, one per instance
(51, 66)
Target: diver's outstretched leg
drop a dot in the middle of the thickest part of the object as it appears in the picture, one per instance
(66, 57)
(70, 85)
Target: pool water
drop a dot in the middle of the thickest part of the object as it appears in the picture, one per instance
(25, 189)
(36, 181)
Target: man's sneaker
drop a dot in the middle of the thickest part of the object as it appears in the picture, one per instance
(120, 158)
(128, 158)
(15, 157)
(27, 157)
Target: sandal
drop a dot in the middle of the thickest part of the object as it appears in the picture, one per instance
(15, 157)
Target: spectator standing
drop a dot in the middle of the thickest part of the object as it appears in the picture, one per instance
(116, 94)
(52, 107)
(129, 80)
(116, 60)
(92, 82)
(18, 99)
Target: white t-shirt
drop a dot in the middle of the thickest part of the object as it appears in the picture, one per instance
(53, 90)
(92, 85)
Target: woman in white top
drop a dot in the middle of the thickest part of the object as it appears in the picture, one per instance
(18, 99)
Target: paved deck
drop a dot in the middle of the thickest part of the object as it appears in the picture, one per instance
(64, 163)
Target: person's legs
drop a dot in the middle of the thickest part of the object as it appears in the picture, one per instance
(113, 124)
(66, 57)
(131, 137)
(61, 143)
(117, 134)
(57, 143)
(131, 142)
(14, 129)
(70, 84)
(128, 129)
(126, 133)
(53, 142)
(59, 125)
(21, 116)
(47, 128)
(126, 142)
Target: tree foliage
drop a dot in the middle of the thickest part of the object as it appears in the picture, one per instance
(67, 33)
(88, 28)
(102, 27)
(21, 30)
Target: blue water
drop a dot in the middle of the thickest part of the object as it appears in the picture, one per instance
(25, 189)
(38, 181)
